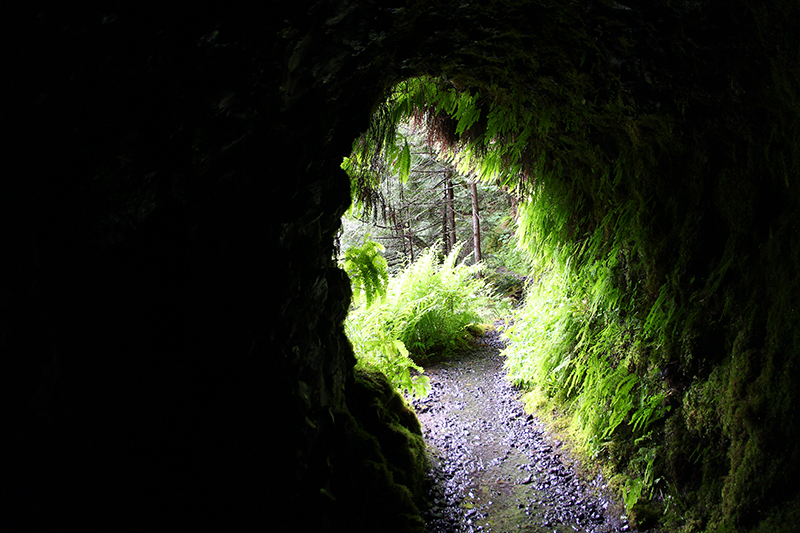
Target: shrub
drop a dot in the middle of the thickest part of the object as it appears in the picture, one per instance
(425, 312)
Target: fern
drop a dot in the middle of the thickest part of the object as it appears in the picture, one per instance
(403, 162)
(368, 271)
(426, 311)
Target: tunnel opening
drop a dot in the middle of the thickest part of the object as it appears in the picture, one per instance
(633, 327)
(573, 342)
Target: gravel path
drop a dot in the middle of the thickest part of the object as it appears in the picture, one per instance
(494, 468)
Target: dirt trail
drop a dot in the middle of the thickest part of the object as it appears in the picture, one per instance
(494, 467)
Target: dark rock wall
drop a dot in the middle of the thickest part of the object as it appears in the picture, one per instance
(171, 343)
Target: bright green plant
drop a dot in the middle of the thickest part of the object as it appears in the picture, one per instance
(580, 340)
(443, 299)
(378, 347)
(367, 270)
(426, 311)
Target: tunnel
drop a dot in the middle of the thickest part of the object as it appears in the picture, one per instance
(173, 356)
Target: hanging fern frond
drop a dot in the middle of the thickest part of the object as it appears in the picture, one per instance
(403, 162)
(368, 271)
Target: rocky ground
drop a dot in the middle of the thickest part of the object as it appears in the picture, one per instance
(494, 468)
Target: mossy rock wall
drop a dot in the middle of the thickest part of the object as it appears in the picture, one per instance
(171, 330)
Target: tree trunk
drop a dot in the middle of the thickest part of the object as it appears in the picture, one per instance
(514, 205)
(410, 233)
(410, 242)
(451, 210)
(476, 223)
(445, 218)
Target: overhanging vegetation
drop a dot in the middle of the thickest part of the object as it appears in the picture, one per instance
(622, 326)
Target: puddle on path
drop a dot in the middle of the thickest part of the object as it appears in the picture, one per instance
(494, 467)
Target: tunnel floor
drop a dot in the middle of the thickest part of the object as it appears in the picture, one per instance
(494, 467)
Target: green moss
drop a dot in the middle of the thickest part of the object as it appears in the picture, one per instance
(373, 478)
(384, 414)
(782, 519)
(645, 514)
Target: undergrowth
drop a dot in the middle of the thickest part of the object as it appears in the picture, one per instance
(587, 332)
(424, 311)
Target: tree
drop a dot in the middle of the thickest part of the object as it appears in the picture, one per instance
(476, 222)
(448, 216)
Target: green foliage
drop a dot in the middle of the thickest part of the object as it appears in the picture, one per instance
(582, 339)
(444, 298)
(426, 312)
(403, 162)
(367, 270)
(601, 318)
(376, 345)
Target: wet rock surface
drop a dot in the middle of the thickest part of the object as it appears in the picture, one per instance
(494, 467)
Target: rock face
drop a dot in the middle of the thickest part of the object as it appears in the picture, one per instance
(172, 350)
